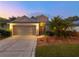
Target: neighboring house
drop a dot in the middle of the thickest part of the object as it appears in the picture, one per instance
(28, 26)
(76, 25)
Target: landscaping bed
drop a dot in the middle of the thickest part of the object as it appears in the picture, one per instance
(49, 40)
(60, 39)
(52, 46)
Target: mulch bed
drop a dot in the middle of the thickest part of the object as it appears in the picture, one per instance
(49, 40)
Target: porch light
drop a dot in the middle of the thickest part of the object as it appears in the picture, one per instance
(11, 26)
(42, 24)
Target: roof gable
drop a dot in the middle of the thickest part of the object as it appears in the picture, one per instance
(22, 19)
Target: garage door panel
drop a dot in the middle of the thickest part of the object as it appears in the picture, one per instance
(24, 30)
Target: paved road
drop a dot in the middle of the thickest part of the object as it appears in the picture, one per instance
(18, 46)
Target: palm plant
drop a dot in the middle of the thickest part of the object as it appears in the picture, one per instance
(59, 25)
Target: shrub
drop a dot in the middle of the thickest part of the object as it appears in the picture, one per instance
(49, 33)
(63, 33)
(4, 33)
(74, 33)
(66, 33)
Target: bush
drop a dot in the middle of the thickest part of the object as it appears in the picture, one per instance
(62, 33)
(49, 33)
(5, 33)
(66, 33)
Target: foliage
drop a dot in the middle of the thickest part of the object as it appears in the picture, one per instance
(73, 18)
(2, 18)
(49, 33)
(60, 26)
(12, 18)
(3, 21)
(4, 33)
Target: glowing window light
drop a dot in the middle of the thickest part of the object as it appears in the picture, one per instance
(42, 24)
(11, 26)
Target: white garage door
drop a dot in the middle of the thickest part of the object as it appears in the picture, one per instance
(24, 30)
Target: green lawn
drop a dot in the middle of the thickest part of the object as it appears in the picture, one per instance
(69, 50)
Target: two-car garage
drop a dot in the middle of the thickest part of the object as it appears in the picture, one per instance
(25, 29)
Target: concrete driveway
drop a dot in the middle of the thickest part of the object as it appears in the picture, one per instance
(18, 46)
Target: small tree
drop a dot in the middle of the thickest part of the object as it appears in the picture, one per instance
(59, 26)
(12, 18)
(2, 22)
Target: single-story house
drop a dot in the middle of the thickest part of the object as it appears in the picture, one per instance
(28, 26)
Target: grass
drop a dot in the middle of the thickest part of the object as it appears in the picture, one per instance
(66, 50)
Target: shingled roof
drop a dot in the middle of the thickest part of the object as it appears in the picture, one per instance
(25, 19)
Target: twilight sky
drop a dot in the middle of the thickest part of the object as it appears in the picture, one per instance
(32, 8)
